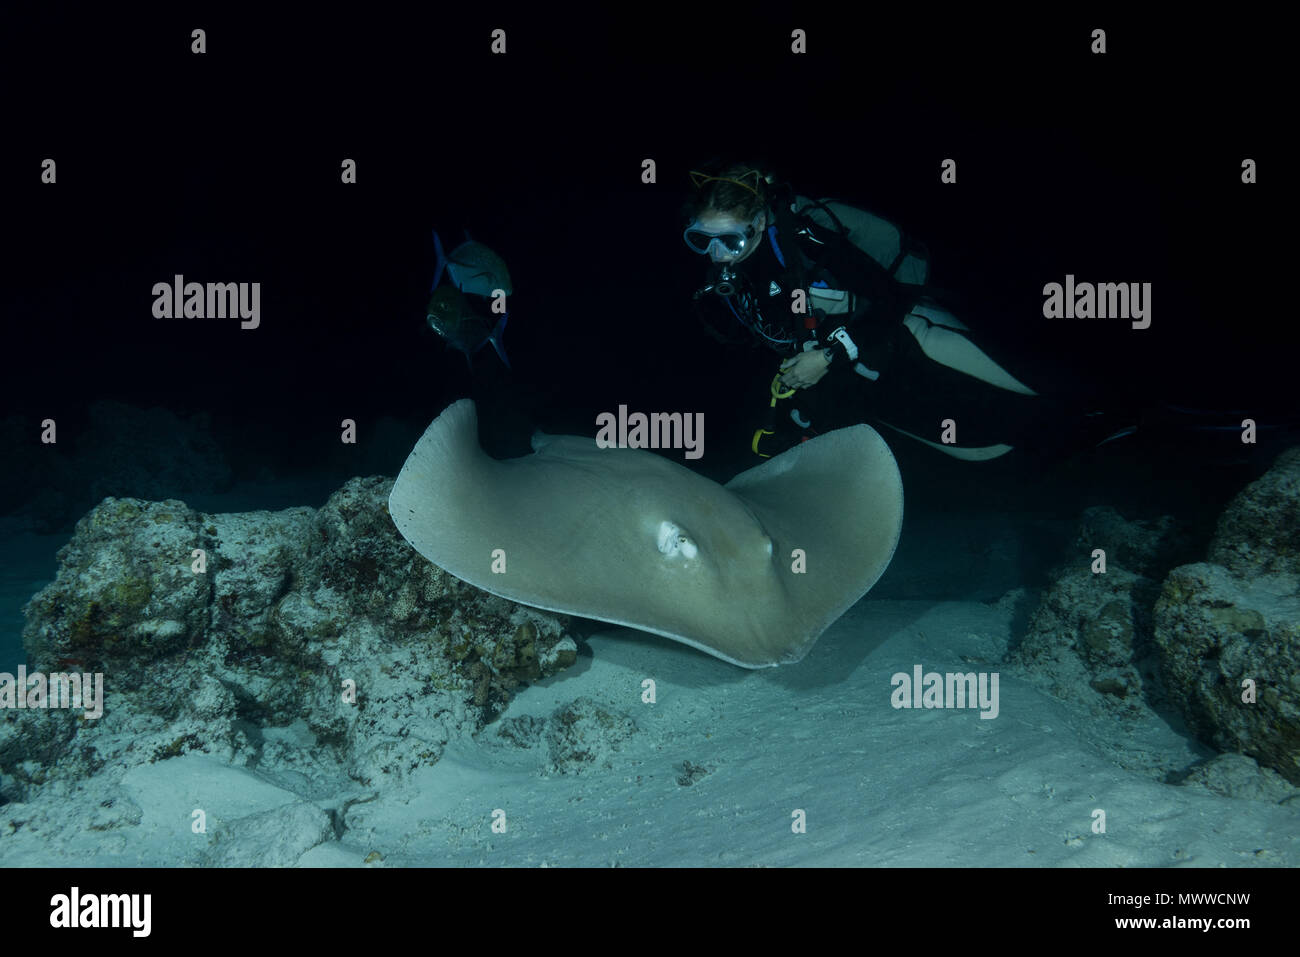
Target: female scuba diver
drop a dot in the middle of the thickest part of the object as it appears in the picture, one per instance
(839, 293)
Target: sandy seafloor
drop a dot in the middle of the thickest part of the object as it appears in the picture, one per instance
(878, 786)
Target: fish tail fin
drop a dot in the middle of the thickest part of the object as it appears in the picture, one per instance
(495, 339)
(441, 259)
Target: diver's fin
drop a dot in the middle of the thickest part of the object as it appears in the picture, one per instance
(1185, 410)
(1127, 430)
(1104, 426)
(442, 259)
(1168, 421)
(1188, 419)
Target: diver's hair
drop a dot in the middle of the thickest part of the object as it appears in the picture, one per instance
(741, 189)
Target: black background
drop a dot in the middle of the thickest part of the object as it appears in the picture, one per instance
(225, 167)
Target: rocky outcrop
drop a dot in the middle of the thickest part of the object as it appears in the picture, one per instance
(1089, 640)
(1216, 642)
(1228, 630)
(1259, 532)
(288, 642)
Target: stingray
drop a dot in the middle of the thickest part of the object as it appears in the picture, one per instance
(752, 571)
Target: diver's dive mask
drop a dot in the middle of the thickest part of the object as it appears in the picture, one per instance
(725, 242)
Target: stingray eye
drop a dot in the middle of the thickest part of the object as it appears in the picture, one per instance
(673, 541)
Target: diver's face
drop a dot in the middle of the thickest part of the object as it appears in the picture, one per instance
(714, 220)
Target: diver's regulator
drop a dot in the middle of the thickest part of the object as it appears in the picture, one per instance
(724, 282)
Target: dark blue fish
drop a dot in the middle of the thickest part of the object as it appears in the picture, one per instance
(474, 268)
(461, 316)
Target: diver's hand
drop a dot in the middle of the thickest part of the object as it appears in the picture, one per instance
(806, 369)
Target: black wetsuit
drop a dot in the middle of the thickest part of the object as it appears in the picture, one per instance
(912, 392)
